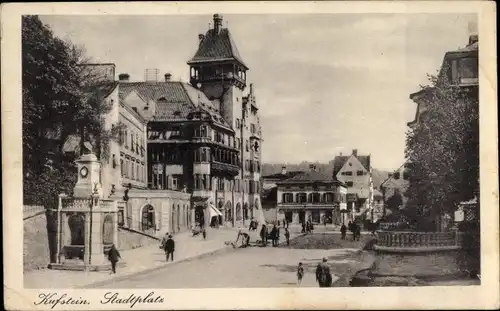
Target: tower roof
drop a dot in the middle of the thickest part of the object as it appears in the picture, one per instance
(217, 45)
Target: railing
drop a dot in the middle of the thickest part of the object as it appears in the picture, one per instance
(402, 239)
(392, 226)
(72, 203)
(32, 210)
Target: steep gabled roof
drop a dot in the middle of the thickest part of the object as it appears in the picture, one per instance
(174, 100)
(217, 47)
(339, 162)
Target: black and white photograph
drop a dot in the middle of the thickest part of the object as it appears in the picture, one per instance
(223, 149)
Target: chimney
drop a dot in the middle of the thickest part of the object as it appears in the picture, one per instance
(355, 152)
(283, 170)
(201, 37)
(217, 23)
(168, 76)
(124, 77)
(473, 38)
(341, 154)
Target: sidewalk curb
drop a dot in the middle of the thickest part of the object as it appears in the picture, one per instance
(150, 270)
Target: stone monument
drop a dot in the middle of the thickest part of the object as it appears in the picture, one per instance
(87, 223)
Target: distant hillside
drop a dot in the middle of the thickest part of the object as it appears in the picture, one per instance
(325, 168)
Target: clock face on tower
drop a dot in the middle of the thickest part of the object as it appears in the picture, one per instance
(84, 172)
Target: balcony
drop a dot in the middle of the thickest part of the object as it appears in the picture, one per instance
(308, 205)
(202, 193)
(224, 168)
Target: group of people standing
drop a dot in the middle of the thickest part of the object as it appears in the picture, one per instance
(274, 235)
(354, 227)
(307, 227)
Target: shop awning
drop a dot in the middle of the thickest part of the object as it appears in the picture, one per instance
(214, 211)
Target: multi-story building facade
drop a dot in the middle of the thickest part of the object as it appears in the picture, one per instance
(311, 196)
(204, 137)
(460, 68)
(355, 172)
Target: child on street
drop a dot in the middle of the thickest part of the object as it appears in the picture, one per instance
(300, 273)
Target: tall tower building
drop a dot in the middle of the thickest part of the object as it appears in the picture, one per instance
(218, 70)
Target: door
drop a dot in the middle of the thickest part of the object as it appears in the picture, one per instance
(289, 216)
(302, 216)
(316, 218)
(329, 217)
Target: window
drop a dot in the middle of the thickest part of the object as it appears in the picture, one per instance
(126, 139)
(301, 198)
(247, 165)
(256, 146)
(347, 173)
(287, 198)
(133, 170)
(237, 143)
(137, 172)
(132, 141)
(137, 143)
(252, 128)
(237, 123)
(396, 175)
(220, 184)
(247, 145)
(349, 183)
(125, 171)
(360, 173)
(328, 197)
(121, 167)
(175, 182)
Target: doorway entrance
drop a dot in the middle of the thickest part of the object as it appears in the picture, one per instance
(302, 217)
(329, 217)
(289, 217)
(199, 216)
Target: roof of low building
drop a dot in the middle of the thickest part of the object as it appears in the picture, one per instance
(174, 100)
(216, 47)
(282, 176)
(310, 176)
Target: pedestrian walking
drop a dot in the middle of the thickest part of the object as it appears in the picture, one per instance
(204, 232)
(287, 236)
(353, 230)
(323, 274)
(169, 248)
(343, 231)
(263, 235)
(274, 232)
(303, 227)
(358, 232)
(300, 273)
(114, 256)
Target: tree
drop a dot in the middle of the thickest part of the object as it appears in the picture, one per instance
(60, 97)
(444, 152)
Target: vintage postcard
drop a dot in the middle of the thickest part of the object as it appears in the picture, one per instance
(250, 155)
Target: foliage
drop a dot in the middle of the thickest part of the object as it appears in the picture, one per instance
(59, 98)
(444, 153)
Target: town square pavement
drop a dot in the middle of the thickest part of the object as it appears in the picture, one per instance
(249, 267)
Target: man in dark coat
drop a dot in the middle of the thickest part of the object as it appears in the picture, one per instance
(263, 234)
(170, 248)
(113, 257)
(274, 233)
(323, 274)
(343, 230)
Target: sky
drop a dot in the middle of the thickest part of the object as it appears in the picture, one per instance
(325, 83)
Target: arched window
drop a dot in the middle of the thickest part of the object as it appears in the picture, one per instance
(287, 198)
(148, 218)
(301, 197)
(328, 197)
